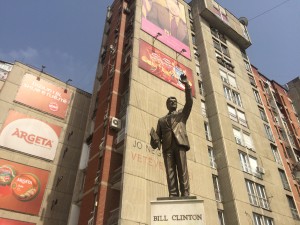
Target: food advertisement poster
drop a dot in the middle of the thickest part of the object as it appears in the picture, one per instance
(164, 67)
(166, 21)
(4, 221)
(44, 96)
(31, 136)
(21, 187)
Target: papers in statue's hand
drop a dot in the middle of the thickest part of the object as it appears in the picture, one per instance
(155, 142)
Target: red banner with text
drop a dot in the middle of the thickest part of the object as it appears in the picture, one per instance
(43, 95)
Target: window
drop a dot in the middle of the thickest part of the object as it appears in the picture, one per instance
(227, 93)
(249, 164)
(257, 97)
(252, 81)
(247, 66)
(193, 36)
(237, 116)
(276, 154)
(262, 220)
(201, 90)
(221, 217)
(216, 188)
(243, 52)
(212, 159)
(238, 137)
(198, 70)
(243, 138)
(232, 96)
(203, 109)
(248, 141)
(237, 98)
(228, 78)
(262, 197)
(262, 114)
(284, 180)
(207, 131)
(268, 221)
(245, 162)
(282, 134)
(232, 113)
(242, 118)
(293, 207)
(251, 192)
(269, 132)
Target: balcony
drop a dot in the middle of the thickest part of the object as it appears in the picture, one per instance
(114, 217)
(116, 178)
(224, 21)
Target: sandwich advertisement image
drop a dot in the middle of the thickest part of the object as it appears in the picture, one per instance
(30, 136)
(21, 187)
(164, 67)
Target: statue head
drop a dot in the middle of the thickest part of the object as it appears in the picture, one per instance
(171, 104)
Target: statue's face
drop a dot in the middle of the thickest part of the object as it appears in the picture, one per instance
(172, 104)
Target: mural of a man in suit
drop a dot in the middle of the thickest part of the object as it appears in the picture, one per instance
(171, 133)
(169, 16)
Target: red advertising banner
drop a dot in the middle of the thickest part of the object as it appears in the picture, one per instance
(164, 67)
(44, 96)
(21, 187)
(31, 136)
(4, 221)
(166, 21)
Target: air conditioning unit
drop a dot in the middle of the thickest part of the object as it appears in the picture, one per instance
(260, 170)
(115, 124)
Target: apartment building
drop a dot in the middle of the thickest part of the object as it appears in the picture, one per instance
(231, 161)
(43, 122)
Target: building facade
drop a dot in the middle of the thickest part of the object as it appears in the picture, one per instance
(293, 88)
(43, 122)
(231, 162)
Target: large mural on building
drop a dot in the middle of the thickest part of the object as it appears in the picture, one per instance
(162, 66)
(30, 136)
(44, 96)
(21, 187)
(166, 21)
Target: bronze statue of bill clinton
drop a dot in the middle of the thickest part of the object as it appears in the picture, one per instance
(171, 133)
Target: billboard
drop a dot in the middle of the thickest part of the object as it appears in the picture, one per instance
(21, 187)
(164, 67)
(4, 221)
(167, 18)
(44, 96)
(31, 136)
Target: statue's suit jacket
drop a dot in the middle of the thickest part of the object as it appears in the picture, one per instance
(165, 130)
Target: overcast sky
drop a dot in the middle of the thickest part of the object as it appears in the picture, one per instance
(65, 36)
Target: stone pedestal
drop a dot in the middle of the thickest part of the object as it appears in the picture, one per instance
(177, 211)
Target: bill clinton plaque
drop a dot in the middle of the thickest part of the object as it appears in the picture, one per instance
(177, 212)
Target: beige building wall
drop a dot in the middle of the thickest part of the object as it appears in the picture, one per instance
(143, 170)
(58, 194)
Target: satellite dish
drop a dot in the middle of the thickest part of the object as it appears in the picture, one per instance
(244, 21)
